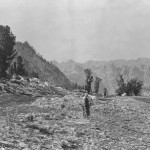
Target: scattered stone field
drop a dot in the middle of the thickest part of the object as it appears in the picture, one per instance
(54, 121)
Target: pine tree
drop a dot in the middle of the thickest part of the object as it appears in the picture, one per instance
(15, 67)
(96, 84)
(121, 86)
(34, 75)
(134, 87)
(7, 52)
(89, 79)
(20, 66)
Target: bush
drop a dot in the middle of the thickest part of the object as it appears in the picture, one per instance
(132, 87)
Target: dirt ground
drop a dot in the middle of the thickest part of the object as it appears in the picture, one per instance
(119, 123)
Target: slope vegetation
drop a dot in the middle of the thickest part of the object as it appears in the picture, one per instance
(36, 63)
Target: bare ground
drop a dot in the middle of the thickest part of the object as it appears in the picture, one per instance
(119, 123)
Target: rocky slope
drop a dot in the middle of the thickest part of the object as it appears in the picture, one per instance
(108, 71)
(34, 116)
(116, 123)
(73, 70)
(46, 71)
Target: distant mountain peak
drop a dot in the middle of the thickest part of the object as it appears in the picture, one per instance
(71, 61)
(108, 71)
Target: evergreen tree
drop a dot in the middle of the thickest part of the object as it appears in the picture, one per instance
(34, 75)
(12, 70)
(89, 79)
(20, 66)
(96, 84)
(7, 52)
(15, 67)
(134, 87)
(121, 86)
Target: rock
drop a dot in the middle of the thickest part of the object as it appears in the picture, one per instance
(29, 117)
(59, 88)
(1, 87)
(34, 87)
(22, 144)
(124, 94)
(26, 148)
(7, 144)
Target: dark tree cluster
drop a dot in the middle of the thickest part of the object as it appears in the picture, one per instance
(121, 86)
(18, 67)
(89, 80)
(34, 75)
(132, 87)
(96, 84)
(76, 86)
(7, 52)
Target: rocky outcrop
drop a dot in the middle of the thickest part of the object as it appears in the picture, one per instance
(30, 86)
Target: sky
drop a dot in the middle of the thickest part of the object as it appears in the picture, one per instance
(81, 30)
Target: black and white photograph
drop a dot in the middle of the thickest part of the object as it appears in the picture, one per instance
(74, 74)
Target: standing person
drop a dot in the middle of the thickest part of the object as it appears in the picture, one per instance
(83, 109)
(105, 92)
(87, 105)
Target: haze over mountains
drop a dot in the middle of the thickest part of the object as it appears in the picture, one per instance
(62, 74)
(108, 71)
(81, 29)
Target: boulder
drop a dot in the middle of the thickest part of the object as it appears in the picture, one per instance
(1, 87)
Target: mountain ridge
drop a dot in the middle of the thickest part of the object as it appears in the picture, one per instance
(109, 71)
(34, 62)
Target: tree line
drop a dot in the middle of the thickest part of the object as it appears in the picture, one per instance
(8, 53)
(8, 67)
(89, 80)
(130, 88)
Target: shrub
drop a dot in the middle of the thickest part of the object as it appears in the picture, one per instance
(132, 87)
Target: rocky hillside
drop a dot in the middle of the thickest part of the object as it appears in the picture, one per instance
(46, 71)
(54, 122)
(73, 70)
(109, 71)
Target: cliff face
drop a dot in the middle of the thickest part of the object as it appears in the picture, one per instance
(109, 71)
(46, 71)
